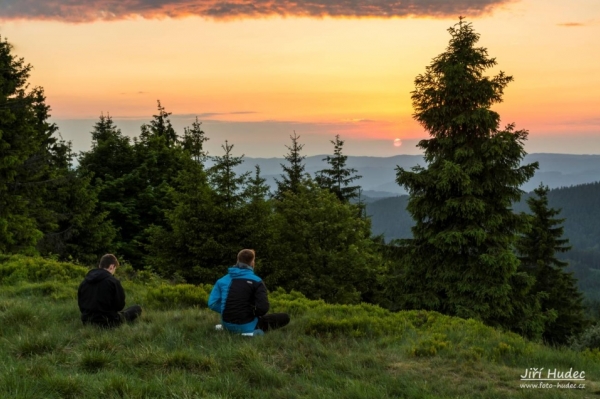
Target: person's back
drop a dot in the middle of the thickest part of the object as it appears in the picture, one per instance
(101, 297)
(241, 299)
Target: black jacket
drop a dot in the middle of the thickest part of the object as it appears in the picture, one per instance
(100, 298)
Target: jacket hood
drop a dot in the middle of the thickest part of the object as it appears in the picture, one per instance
(94, 276)
(237, 272)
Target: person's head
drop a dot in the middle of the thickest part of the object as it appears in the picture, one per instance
(246, 256)
(109, 262)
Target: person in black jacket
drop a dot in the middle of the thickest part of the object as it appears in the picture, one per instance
(101, 297)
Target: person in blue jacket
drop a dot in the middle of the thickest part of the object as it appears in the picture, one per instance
(240, 297)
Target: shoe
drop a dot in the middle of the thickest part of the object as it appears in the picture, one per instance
(218, 327)
(254, 333)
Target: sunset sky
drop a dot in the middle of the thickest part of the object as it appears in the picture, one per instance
(255, 71)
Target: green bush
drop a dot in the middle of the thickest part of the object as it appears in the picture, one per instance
(178, 296)
(589, 339)
(430, 346)
(56, 290)
(20, 268)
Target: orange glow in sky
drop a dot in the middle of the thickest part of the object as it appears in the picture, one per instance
(254, 80)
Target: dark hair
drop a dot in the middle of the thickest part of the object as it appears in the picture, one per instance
(107, 260)
(246, 256)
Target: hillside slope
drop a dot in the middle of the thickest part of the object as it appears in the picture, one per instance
(173, 351)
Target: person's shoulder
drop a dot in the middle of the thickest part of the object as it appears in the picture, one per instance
(253, 277)
(224, 279)
(113, 280)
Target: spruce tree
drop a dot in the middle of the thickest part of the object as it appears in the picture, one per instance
(227, 184)
(80, 228)
(193, 142)
(322, 247)
(160, 126)
(159, 157)
(186, 245)
(111, 156)
(111, 162)
(229, 225)
(537, 250)
(461, 258)
(18, 143)
(258, 216)
(294, 173)
(28, 157)
(338, 177)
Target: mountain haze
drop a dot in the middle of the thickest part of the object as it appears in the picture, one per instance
(379, 175)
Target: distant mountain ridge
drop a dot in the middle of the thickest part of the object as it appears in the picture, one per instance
(379, 173)
(579, 205)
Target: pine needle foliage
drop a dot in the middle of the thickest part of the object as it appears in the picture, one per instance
(537, 251)
(338, 178)
(25, 141)
(461, 259)
(193, 141)
(294, 173)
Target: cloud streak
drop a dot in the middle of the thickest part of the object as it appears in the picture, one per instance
(108, 10)
(572, 24)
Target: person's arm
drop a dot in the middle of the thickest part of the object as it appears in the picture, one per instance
(261, 301)
(214, 300)
(119, 300)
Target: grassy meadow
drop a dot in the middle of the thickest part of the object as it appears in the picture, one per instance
(327, 351)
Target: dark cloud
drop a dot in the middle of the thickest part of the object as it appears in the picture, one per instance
(93, 10)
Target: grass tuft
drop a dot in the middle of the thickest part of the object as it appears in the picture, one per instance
(94, 361)
(173, 351)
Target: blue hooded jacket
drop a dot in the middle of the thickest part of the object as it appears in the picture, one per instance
(240, 297)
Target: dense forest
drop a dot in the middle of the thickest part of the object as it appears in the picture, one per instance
(157, 203)
(578, 207)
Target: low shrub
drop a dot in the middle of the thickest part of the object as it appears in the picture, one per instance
(178, 296)
(20, 268)
(56, 290)
(430, 346)
(589, 339)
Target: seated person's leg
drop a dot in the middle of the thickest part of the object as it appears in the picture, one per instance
(273, 321)
(131, 313)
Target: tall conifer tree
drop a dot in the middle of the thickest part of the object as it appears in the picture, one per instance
(111, 162)
(258, 216)
(20, 144)
(294, 173)
(337, 178)
(537, 249)
(461, 257)
(159, 158)
(193, 142)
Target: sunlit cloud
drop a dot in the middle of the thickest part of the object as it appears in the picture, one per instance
(107, 10)
(572, 24)
(210, 114)
(359, 120)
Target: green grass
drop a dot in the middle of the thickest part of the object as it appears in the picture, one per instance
(327, 351)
